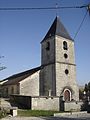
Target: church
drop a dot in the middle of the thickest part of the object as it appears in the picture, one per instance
(53, 84)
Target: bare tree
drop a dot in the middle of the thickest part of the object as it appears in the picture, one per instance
(2, 67)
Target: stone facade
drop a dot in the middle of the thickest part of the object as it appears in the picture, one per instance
(30, 85)
(72, 106)
(48, 55)
(9, 90)
(53, 76)
(63, 80)
(45, 103)
(47, 73)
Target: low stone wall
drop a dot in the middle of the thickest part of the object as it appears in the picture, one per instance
(21, 101)
(45, 103)
(72, 106)
(36, 102)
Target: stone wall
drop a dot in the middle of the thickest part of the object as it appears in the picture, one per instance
(60, 51)
(48, 56)
(30, 85)
(63, 80)
(36, 102)
(72, 106)
(52, 75)
(47, 73)
(21, 101)
(9, 90)
(45, 103)
(47, 80)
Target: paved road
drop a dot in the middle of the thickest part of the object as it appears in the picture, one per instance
(44, 118)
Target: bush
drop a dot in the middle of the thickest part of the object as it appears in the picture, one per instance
(3, 113)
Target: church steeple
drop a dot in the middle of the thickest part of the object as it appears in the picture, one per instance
(57, 28)
(58, 73)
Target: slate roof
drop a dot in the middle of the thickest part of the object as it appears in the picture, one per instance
(15, 79)
(57, 28)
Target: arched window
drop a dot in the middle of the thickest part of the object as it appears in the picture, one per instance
(48, 46)
(65, 47)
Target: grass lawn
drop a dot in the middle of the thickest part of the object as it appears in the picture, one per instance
(35, 113)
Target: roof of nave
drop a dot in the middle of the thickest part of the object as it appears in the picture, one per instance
(16, 78)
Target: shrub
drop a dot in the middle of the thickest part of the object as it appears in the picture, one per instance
(3, 113)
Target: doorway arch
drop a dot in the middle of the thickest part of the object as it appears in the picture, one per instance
(67, 95)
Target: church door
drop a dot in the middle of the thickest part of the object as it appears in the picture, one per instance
(67, 95)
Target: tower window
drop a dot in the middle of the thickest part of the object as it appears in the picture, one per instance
(48, 46)
(65, 56)
(65, 45)
(66, 71)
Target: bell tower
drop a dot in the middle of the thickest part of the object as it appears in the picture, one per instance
(58, 68)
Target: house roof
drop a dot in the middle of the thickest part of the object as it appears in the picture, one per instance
(2, 81)
(57, 28)
(16, 78)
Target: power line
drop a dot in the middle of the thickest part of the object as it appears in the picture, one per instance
(80, 24)
(44, 8)
(53, 8)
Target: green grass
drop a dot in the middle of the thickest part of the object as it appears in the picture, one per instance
(35, 113)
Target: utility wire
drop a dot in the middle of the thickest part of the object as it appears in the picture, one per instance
(44, 8)
(54, 8)
(80, 24)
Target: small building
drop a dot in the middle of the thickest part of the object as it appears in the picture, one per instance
(54, 79)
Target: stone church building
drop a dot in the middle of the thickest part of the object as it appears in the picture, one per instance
(55, 80)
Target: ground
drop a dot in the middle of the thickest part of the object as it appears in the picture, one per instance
(45, 118)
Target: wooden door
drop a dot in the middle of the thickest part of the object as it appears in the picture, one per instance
(67, 95)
